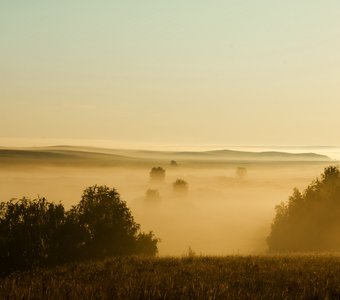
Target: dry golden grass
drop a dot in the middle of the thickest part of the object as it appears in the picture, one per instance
(233, 277)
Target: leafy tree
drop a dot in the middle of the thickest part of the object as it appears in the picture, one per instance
(180, 187)
(309, 220)
(152, 196)
(110, 227)
(37, 232)
(157, 174)
(29, 233)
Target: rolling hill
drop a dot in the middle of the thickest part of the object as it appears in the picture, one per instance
(100, 157)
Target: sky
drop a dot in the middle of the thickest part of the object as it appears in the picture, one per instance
(262, 72)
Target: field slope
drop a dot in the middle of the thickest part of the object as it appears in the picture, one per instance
(262, 277)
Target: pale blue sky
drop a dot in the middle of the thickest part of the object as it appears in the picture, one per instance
(171, 72)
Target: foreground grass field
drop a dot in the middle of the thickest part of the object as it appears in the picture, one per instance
(234, 277)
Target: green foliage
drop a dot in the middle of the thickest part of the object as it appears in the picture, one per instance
(37, 232)
(234, 277)
(309, 220)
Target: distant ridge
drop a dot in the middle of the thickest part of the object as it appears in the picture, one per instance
(91, 156)
(278, 154)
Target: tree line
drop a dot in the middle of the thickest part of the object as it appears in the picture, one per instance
(310, 220)
(41, 233)
(36, 232)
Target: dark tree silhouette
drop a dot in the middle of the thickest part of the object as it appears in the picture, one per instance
(309, 220)
(111, 229)
(30, 233)
(37, 232)
(146, 244)
(173, 163)
(180, 187)
(157, 174)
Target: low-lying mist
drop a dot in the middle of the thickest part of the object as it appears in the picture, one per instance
(223, 212)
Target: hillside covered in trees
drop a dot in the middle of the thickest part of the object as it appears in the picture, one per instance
(310, 220)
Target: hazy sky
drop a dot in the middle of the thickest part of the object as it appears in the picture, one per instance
(171, 72)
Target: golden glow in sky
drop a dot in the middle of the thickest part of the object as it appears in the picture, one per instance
(171, 72)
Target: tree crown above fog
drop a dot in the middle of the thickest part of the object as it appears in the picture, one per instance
(157, 174)
(180, 187)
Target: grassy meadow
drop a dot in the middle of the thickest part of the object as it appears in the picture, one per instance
(230, 277)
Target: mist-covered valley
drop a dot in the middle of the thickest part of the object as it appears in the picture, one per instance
(224, 211)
